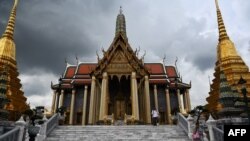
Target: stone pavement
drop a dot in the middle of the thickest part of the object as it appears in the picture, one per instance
(110, 133)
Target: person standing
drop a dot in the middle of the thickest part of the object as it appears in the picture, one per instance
(155, 115)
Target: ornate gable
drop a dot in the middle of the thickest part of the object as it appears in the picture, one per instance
(120, 59)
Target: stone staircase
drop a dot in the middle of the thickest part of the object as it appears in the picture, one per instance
(109, 133)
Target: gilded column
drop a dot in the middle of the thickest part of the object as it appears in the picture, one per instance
(91, 105)
(132, 95)
(61, 98)
(147, 98)
(156, 97)
(185, 102)
(103, 104)
(56, 102)
(179, 100)
(53, 102)
(135, 96)
(182, 103)
(188, 100)
(72, 103)
(84, 104)
(168, 107)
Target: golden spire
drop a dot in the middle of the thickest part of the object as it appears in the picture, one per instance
(120, 24)
(222, 30)
(9, 31)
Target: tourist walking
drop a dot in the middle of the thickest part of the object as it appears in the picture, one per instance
(196, 135)
(155, 116)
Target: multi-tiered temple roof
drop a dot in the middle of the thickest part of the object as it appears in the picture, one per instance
(80, 74)
(118, 50)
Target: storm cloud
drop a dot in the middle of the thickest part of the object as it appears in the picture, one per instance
(49, 31)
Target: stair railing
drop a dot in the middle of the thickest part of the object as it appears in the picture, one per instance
(218, 134)
(12, 135)
(182, 122)
(52, 123)
(47, 127)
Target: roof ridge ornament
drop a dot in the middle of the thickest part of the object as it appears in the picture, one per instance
(120, 9)
(177, 72)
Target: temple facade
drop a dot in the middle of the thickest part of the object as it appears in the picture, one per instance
(8, 64)
(228, 62)
(120, 86)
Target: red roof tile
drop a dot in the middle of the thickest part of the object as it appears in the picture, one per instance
(158, 81)
(154, 68)
(171, 72)
(70, 72)
(82, 81)
(157, 77)
(84, 76)
(66, 80)
(85, 68)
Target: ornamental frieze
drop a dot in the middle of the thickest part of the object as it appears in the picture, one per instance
(119, 68)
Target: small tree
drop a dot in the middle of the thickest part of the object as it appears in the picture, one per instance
(32, 114)
(197, 112)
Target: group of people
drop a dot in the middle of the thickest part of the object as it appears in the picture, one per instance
(155, 117)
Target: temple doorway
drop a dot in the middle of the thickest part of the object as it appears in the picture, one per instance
(119, 109)
(119, 103)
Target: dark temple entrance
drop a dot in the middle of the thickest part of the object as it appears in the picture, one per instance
(119, 103)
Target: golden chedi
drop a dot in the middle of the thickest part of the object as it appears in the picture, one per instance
(8, 60)
(229, 62)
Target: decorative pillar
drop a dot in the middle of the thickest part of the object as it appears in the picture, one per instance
(190, 126)
(185, 102)
(132, 96)
(188, 100)
(21, 124)
(210, 124)
(91, 105)
(179, 100)
(103, 105)
(182, 103)
(71, 117)
(56, 102)
(84, 104)
(135, 108)
(61, 98)
(147, 98)
(53, 102)
(156, 98)
(169, 120)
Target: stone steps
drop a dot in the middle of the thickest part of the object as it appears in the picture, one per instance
(109, 133)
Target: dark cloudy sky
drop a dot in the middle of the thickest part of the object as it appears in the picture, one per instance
(48, 31)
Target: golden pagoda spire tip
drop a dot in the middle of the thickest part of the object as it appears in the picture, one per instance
(217, 5)
(9, 31)
(222, 29)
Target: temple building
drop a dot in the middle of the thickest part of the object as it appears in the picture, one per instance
(120, 87)
(230, 63)
(8, 61)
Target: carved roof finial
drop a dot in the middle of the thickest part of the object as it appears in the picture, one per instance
(77, 61)
(120, 9)
(177, 72)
